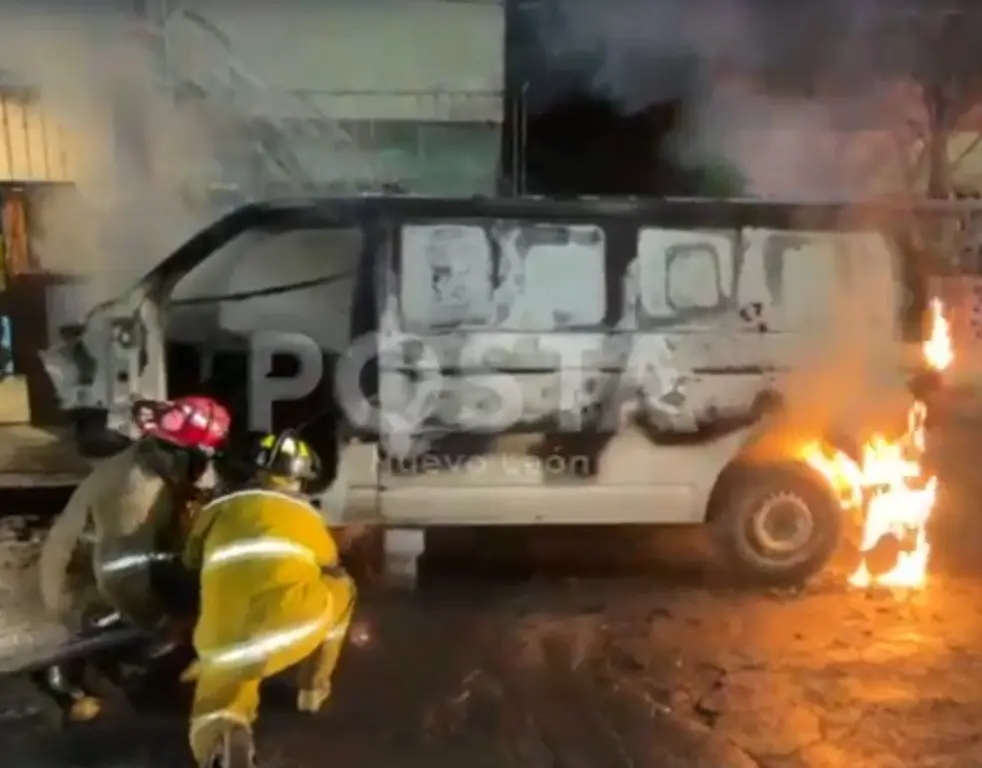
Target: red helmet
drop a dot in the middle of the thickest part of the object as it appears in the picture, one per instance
(195, 422)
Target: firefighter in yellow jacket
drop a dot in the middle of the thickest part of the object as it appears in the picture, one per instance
(273, 595)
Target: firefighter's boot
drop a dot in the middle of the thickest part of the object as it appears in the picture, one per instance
(316, 671)
(84, 709)
(233, 748)
(310, 700)
(79, 705)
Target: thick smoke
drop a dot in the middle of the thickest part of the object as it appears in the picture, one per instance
(138, 149)
(759, 98)
(750, 75)
(141, 148)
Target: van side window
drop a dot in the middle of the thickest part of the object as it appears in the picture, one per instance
(693, 280)
(446, 276)
(503, 275)
(801, 275)
(295, 281)
(552, 277)
(682, 273)
(804, 279)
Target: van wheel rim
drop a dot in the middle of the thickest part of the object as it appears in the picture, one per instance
(782, 525)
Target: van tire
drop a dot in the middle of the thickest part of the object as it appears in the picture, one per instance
(749, 505)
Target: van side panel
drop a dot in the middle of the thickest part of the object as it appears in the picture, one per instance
(605, 371)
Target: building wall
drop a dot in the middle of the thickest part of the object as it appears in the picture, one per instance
(395, 72)
(427, 157)
(355, 60)
(406, 91)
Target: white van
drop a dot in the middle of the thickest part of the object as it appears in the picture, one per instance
(530, 361)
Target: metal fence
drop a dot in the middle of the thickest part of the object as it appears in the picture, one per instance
(286, 137)
(418, 156)
(436, 141)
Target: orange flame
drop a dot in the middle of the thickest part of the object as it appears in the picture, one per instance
(939, 352)
(888, 481)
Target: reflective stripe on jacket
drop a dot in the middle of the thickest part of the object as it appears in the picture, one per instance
(261, 555)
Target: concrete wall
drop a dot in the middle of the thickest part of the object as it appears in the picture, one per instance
(379, 60)
(354, 90)
(384, 91)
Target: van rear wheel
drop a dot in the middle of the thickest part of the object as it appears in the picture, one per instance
(777, 524)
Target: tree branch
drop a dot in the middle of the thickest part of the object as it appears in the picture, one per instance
(915, 127)
(964, 102)
(973, 145)
(910, 168)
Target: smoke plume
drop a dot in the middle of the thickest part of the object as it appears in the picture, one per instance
(136, 148)
(763, 93)
(756, 79)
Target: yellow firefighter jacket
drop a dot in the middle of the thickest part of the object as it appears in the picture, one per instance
(124, 505)
(264, 556)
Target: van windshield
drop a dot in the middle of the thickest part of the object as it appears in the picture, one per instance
(296, 281)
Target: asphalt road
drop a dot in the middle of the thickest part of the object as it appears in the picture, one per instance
(654, 671)
(620, 674)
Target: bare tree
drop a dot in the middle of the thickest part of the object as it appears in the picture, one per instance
(934, 50)
(927, 54)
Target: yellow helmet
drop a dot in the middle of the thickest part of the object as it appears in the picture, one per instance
(286, 455)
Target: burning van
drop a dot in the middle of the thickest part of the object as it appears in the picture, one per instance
(536, 362)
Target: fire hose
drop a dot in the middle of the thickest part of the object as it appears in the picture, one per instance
(114, 639)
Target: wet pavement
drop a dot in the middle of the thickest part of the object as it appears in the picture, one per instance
(622, 674)
(655, 671)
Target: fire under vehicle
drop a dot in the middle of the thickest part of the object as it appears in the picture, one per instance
(663, 362)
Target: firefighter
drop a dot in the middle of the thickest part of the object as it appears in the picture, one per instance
(128, 504)
(273, 595)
